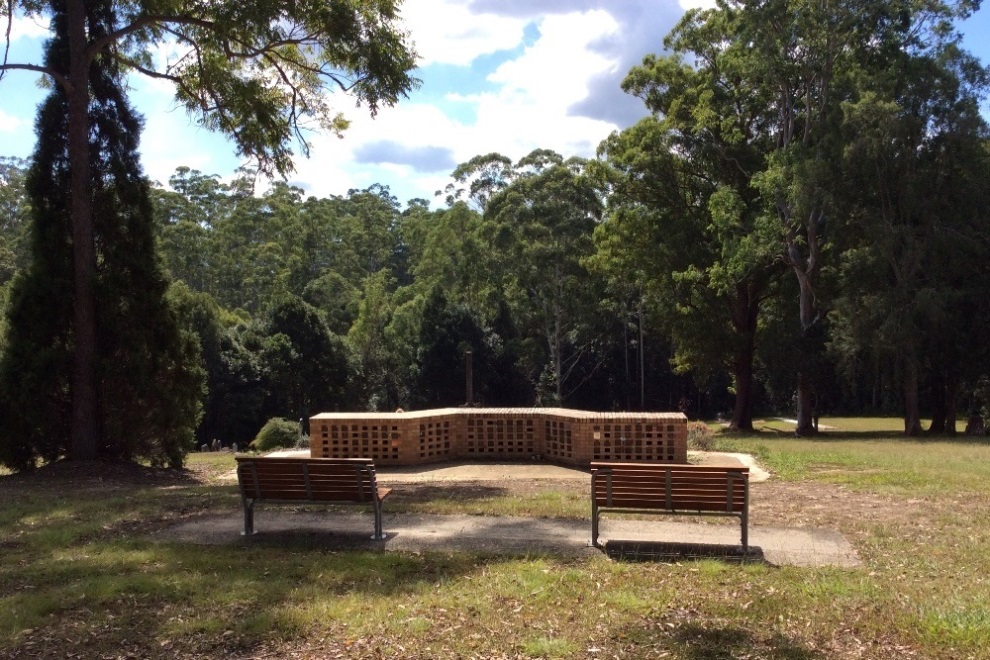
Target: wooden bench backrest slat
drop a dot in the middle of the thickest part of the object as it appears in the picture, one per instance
(674, 487)
(275, 478)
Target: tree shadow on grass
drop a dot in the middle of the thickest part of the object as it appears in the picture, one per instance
(698, 642)
(103, 475)
(462, 492)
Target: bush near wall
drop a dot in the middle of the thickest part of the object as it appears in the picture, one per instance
(277, 433)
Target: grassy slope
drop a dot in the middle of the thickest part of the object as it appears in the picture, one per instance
(82, 573)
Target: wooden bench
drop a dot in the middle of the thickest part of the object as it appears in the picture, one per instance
(309, 481)
(670, 489)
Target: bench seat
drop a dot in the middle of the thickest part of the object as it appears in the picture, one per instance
(289, 480)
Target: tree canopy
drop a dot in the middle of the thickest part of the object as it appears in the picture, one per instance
(257, 72)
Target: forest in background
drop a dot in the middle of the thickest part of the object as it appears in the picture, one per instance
(799, 226)
(304, 305)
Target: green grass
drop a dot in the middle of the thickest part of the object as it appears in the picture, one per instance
(84, 574)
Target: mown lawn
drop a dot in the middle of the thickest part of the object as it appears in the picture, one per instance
(83, 573)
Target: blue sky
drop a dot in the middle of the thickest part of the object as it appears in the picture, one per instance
(498, 75)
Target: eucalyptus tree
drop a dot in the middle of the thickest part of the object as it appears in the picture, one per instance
(452, 252)
(15, 212)
(799, 61)
(257, 72)
(479, 179)
(367, 236)
(379, 376)
(915, 282)
(684, 224)
(185, 216)
(542, 225)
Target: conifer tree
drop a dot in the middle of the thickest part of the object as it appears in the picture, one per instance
(149, 383)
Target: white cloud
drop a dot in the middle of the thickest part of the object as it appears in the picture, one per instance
(10, 123)
(554, 71)
(446, 32)
(333, 169)
(28, 27)
(527, 111)
(530, 109)
(171, 138)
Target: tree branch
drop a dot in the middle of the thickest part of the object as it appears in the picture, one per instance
(55, 75)
(142, 22)
(151, 73)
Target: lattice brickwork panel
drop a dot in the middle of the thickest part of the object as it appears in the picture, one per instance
(435, 440)
(558, 439)
(494, 436)
(634, 441)
(571, 437)
(376, 439)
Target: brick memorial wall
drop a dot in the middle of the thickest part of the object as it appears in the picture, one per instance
(557, 435)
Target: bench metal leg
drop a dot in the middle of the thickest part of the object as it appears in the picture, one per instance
(379, 534)
(594, 525)
(745, 531)
(248, 518)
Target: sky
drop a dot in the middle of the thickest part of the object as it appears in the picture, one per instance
(505, 76)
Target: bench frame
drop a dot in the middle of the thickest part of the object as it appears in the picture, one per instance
(353, 482)
(701, 490)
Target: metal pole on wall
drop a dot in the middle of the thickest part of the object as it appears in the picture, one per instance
(469, 377)
(642, 361)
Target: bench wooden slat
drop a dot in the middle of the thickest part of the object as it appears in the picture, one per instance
(309, 480)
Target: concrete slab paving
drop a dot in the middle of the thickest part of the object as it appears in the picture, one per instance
(780, 546)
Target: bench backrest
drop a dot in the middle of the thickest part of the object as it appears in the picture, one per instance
(670, 487)
(307, 479)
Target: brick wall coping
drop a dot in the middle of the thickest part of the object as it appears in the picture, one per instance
(536, 412)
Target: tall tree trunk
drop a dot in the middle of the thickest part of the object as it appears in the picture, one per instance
(938, 401)
(805, 405)
(642, 359)
(558, 367)
(625, 353)
(912, 416)
(84, 399)
(745, 310)
(806, 269)
(805, 383)
(951, 404)
(742, 413)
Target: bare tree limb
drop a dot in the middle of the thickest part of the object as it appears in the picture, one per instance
(142, 22)
(52, 73)
(10, 27)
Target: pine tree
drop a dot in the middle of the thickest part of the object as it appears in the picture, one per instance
(149, 383)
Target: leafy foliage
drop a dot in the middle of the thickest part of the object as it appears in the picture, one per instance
(277, 433)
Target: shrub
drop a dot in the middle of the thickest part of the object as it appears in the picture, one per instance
(700, 437)
(277, 433)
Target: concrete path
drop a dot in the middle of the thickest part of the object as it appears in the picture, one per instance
(634, 539)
